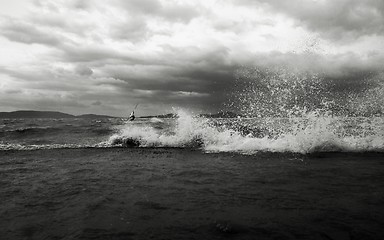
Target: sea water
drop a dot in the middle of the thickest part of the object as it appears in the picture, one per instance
(307, 134)
(280, 110)
(140, 179)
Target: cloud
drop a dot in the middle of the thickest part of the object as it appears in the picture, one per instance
(26, 33)
(97, 103)
(167, 10)
(142, 6)
(83, 70)
(177, 53)
(335, 19)
(133, 29)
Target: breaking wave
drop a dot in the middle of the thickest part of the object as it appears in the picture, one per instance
(306, 134)
(281, 110)
(250, 135)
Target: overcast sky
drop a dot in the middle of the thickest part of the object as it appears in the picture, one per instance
(104, 57)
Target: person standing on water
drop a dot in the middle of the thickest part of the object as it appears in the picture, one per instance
(132, 116)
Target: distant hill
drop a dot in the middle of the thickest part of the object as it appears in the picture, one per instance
(46, 114)
(94, 116)
(34, 114)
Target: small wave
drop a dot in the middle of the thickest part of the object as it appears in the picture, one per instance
(156, 120)
(8, 146)
(24, 130)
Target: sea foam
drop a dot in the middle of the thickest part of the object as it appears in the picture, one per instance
(301, 135)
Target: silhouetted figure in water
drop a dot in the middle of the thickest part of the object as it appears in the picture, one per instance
(132, 116)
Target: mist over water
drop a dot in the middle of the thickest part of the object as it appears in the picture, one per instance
(288, 92)
(277, 93)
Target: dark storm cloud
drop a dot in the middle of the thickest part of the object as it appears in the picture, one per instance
(336, 65)
(186, 80)
(334, 19)
(203, 72)
(203, 79)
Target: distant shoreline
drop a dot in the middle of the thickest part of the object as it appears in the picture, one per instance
(47, 114)
(56, 114)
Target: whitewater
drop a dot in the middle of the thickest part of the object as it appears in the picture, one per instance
(308, 134)
(249, 136)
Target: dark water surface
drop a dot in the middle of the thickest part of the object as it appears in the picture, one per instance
(306, 134)
(171, 193)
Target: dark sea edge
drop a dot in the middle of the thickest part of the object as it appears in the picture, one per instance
(259, 154)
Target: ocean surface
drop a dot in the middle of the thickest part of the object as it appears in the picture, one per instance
(311, 172)
(305, 134)
(309, 177)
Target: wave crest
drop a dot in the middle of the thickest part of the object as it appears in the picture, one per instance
(300, 135)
